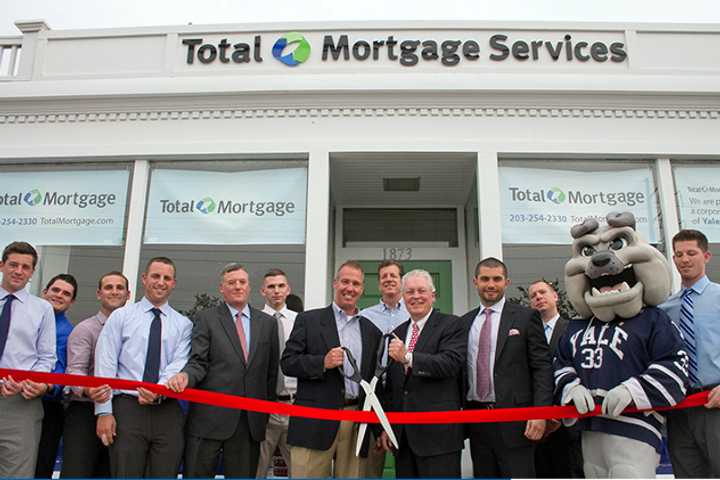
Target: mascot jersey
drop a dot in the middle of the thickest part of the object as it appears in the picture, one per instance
(645, 353)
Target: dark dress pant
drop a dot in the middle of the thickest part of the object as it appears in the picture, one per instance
(84, 455)
(52, 431)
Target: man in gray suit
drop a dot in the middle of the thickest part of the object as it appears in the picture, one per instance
(235, 350)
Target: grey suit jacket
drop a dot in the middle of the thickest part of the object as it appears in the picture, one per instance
(217, 364)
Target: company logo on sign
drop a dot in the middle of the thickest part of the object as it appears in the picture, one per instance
(298, 55)
(206, 205)
(33, 197)
(556, 195)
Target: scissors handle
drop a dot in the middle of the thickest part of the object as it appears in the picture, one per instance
(355, 376)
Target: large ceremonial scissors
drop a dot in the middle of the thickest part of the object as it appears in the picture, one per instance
(371, 399)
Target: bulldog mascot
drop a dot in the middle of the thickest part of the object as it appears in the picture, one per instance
(624, 352)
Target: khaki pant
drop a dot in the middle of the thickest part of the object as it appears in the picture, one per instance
(309, 463)
(375, 464)
(20, 428)
(275, 437)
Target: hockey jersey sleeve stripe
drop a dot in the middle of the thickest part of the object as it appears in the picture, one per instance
(659, 387)
(671, 374)
(563, 371)
(638, 393)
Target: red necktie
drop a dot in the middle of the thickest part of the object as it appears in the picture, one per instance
(482, 367)
(241, 334)
(413, 337)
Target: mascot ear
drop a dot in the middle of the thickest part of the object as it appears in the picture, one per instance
(621, 219)
(581, 229)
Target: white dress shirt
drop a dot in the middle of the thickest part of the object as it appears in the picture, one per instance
(549, 327)
(286, 385)
(421, 324)
(473, 341)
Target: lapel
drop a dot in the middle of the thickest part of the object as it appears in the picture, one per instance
(559, 329)
(427, 331)
(506, 321)
(255, 328)
(328, 328)
(228, 323)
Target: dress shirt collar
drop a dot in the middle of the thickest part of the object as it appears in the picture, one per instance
(147, 306)
(101, 318)
(421, 323)
(340, 313)
(234, 311)
(551, 323)
(496, 308)
(284, 311)
(700, 285)
(21, 294)
(387, 308)
(60, 316)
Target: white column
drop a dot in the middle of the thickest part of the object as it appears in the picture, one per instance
(31, 30)
(668, 211)
(136, 217)
(317, 224)
(490, 218)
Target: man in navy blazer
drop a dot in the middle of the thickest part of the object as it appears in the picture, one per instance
(508, 366)
(314, 354)
(425, 374)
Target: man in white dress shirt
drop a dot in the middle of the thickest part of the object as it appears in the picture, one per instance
(275, 289)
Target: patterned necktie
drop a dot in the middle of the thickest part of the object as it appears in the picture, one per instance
(241, 334)
(482, 368)
(5, 322)
(413, 337)
(687, 326)
(281, 336)
(152, 360)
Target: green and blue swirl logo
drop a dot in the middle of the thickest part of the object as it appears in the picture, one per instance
(556, 195)
(33, 197)
(206, 205)
(298, 55)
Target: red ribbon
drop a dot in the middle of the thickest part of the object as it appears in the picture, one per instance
(264, 406)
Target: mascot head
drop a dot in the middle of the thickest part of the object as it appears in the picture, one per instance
(613, 272)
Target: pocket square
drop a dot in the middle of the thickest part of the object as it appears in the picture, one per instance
(513, 332)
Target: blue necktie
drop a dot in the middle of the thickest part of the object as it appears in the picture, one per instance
(5, 322)
(687, 326)
(152, 360)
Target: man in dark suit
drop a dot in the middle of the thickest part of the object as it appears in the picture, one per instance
(425, 374)
(234, 350)
(508, 365)
(559, 454)
(314, 355)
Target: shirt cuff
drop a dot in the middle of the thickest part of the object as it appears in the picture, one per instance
(408, 359)
(103, 408)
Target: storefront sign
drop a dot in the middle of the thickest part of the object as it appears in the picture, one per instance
(698, 193)
(218, 208)
(63, 208)
(539, 206)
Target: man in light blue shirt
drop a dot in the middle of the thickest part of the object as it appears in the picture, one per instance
(386, 316)
(145, 341)
(694, 434)
(27, 342)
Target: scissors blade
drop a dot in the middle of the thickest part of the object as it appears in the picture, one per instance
(369, 389)
(375, 404)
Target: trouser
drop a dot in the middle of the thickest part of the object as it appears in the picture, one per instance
(149, 441)
(84, 455)
(20, 428)
(693, 439)
(612, 456)
(240, 454)
(52, 431)
(492, 458)
(311, 463)
(410, 465)
(275, 437)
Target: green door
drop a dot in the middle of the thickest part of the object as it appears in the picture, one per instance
(440, 270)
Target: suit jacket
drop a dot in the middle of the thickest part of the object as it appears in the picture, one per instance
(557, 333)
(217, 364)
(433, 384)
(314, 333)
(523, 373)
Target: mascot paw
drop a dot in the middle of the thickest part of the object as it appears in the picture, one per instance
(581, 397)
(616, 401)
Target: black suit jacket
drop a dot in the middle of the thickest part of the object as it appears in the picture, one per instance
(433, 384)
(557, 333)
(217, 364)
(313, 334)
(522, 375)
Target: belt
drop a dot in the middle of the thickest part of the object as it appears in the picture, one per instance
(471, 405)
(160, 399)
(286, 398)
(692, 390)
(349, 402)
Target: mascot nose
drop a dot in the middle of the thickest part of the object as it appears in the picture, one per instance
(601, 259)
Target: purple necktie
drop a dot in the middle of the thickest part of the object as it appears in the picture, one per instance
(482, 367)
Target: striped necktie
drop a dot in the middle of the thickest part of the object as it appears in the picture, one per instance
(687, 326)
